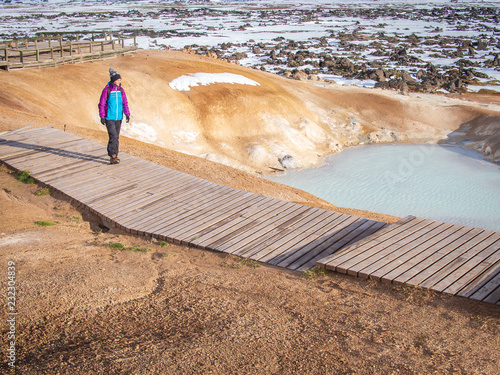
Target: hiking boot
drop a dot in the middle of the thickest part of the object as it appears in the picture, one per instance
(114, 160)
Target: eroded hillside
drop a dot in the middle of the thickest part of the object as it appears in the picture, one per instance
(275, 123)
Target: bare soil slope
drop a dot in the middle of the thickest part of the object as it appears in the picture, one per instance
(151, 308)
(249, 127)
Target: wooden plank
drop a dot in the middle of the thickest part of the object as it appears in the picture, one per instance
(71, 166)
(494, 296)
(474, 267)
(236, 230)
(44, 144)
(145, 209)
(78, 185)
(313, 241)
(190, 220)
(151, 192)
(443, 258)
(233, 223)
(315, 247)
(156, 208)
(380, 258)
(152, 187)
(180, 189)
(45, 161)
(339, 235)
(308, 261)
(186, 207)
(328, 262)
(28, 133)
(70, 186)
(458, 239)
(407, 259)
(346, 260)
(285, 218)
(288, 238)
(280, 235)
(213, 223)
(13, 150)
(488, 288)
(208, 199)
(480, 280)
(224, 209)
(463, 263)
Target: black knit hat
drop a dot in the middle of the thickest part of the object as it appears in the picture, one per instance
(113, 75)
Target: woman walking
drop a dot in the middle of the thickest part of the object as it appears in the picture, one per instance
(112, 106)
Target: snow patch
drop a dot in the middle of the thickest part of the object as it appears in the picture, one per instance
(183, 83)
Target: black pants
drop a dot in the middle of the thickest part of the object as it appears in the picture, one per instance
(114, 135)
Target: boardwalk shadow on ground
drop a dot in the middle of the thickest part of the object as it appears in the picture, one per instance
(34, 149)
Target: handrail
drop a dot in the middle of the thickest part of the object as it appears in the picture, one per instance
(8, 51)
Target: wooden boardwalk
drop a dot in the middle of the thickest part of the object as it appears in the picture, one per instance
(430, 254)
(147, 199)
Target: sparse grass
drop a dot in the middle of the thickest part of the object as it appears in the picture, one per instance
(116, 245)
(168, 254)
(43, 223)
(415, 293)
(315, 273)
(138, 249)
(24, 176)
(122, 247)
(237, 263)
(163, 243)
(373, 282)
(42, 192)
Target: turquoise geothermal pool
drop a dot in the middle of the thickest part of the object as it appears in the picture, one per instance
(440, 182)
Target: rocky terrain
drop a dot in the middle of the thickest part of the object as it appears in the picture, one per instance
(422, 47)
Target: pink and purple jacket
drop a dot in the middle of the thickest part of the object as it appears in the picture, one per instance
(114, 105)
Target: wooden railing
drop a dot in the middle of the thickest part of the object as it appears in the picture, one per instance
(46, 51)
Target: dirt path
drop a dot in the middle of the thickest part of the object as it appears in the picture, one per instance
(87, 308)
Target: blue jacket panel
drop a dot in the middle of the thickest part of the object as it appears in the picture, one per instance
(115, 106)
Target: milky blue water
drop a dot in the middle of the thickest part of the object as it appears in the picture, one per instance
(446, 183)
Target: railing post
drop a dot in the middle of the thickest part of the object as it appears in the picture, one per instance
(135, 42)
(51, 53)
(61, 46)
(21, 56)
(37, 55)
(71, 48)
